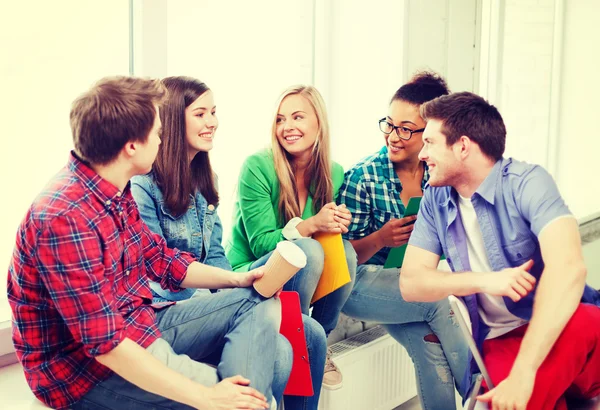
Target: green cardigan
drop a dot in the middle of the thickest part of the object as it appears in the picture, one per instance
(257, 224)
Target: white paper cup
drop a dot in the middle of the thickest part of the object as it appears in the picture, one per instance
(286, 260)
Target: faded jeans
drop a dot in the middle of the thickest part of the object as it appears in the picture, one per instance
(234, 328)
(376, 297)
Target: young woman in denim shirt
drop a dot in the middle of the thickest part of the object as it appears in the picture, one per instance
(178, 200)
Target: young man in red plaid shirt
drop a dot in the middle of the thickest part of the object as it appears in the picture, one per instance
(84, 326)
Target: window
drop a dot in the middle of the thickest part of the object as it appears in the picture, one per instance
(47, 63)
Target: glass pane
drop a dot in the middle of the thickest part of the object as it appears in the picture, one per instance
(49, 62)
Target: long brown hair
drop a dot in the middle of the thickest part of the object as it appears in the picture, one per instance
(176, 178)
(318, 171)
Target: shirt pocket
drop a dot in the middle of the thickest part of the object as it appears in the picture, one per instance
(173, 228)
(520, 251)
(210, 218)
(381, 217)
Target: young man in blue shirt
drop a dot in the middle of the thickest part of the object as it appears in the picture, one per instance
(515, 252)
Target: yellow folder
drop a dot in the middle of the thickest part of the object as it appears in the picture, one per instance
(335, 270)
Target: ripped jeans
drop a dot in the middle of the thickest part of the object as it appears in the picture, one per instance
(376, 297)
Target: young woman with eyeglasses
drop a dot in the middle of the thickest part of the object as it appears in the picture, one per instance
(377, 191)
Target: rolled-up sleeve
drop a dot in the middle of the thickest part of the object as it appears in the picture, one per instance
(71, 265)
(539, 200)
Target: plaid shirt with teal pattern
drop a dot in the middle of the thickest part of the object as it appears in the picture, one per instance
(371, 191)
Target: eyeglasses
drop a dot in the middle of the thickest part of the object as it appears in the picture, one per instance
(402, 132)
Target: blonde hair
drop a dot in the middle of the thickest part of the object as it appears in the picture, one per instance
(318, 171)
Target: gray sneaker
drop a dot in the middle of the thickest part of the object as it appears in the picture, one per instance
(332, 379)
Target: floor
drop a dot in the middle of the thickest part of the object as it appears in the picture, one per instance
(412, 404)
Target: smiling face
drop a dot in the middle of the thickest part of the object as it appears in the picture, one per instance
(297, 125)
(201, 124)
(405, 115)
(443, 162)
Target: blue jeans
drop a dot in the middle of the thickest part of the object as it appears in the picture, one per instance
(237, 327)
(316, 342)
(327, 310)
(376, 297)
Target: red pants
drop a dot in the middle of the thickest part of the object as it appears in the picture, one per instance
(572, 368)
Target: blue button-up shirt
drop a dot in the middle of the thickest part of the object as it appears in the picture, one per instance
(513, 205)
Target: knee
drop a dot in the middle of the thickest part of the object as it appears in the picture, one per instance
(271, 313)
(442, 310)
(315, 256)
(284, 357)
(351, 258)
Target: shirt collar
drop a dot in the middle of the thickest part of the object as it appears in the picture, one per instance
(487, 189)
(106, 192)
(387, 165)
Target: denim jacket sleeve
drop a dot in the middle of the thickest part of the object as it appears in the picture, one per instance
(216, 253)
(141, 190)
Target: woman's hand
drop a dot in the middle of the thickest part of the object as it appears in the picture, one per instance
(343, 216)
(396, 232)
(332, 219)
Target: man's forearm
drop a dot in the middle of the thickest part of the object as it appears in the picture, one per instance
(204, 276)
(136, 365)
(366, 247)
(558, 295)
(421, 284)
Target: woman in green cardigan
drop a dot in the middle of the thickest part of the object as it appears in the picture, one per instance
(289, 192)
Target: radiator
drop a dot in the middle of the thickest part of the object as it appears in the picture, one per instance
(378, 373)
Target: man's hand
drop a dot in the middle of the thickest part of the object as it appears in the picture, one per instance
(246, 279)
(234, 393)
(513, 393)
(515, 283)
(395, 232)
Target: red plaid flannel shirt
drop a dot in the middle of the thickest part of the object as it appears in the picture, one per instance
(78, 282)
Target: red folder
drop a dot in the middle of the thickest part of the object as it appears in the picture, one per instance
(300, 382)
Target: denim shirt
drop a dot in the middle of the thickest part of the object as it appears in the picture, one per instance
(514, 204)
(197, 230)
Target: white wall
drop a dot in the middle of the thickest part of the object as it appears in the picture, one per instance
(361, 72)
(247, 56)
(525, 79)
(49, 56)
(442, 35)
(546, 50)
(579, 133)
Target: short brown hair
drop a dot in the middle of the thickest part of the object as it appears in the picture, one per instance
(115, 111)
(470, 115)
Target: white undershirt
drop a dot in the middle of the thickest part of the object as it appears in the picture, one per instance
(492, 309)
